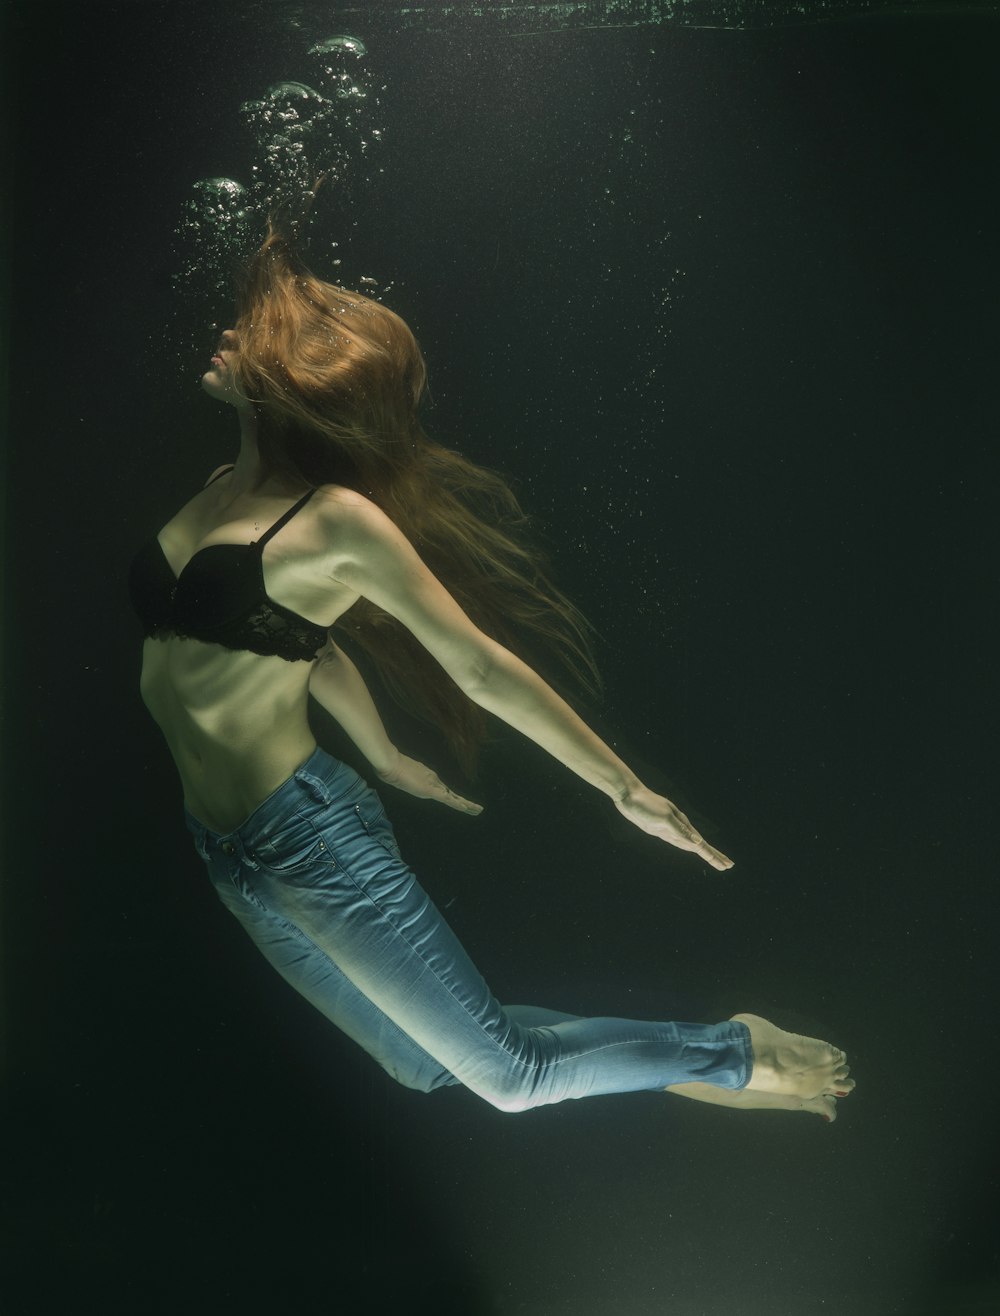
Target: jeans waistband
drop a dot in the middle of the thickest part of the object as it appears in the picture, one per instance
(321, 776)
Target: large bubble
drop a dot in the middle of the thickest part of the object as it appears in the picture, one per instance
(339, 46)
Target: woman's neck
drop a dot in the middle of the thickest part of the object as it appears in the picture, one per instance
(247, 471)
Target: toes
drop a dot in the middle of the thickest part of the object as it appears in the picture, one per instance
(827, 1107)
(841, 1087)
(841, 1071)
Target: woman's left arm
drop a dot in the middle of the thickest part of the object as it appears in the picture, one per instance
(372, 557)
(337, 685)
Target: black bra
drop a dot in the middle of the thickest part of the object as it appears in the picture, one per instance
(220, 598)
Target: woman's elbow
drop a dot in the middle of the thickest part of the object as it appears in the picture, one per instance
(483, 669)
(328, 666)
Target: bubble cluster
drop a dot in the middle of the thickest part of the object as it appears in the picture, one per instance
(299, 132)
(216, 222)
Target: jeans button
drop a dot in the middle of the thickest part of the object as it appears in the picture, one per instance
(228, 847)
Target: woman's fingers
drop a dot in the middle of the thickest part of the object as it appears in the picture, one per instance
(456, 802)
(714, 857)
(701, 847)
(693, 840)
(447, 796)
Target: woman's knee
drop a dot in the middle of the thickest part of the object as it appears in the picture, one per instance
(516, 1107)
(510, 1103)
(512, 1093)
(422, 1078)
(511, 1088)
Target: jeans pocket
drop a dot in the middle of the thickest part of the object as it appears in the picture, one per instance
(292, 844)
(372, 815)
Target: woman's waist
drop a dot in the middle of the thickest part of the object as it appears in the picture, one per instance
(218, 712)
(226, 778)
(245, 809)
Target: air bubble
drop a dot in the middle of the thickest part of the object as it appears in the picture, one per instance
(339, 46)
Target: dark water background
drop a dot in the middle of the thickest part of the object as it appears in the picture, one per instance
(723, 304)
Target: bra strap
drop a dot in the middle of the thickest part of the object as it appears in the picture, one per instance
(259, 543)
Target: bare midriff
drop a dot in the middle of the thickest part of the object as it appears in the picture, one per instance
(235, 722)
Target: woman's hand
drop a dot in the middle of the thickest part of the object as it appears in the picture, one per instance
(417, 779)
(655, 815)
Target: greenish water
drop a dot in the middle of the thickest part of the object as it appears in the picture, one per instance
(715, 286)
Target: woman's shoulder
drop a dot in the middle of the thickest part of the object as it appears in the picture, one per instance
(338, 495)
(350, 520)
(345, 505)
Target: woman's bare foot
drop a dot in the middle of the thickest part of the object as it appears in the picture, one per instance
(746, 1100)
(789, 1065)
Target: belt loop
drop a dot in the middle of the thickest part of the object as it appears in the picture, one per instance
(317, 788)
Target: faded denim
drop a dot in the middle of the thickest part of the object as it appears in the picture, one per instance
(315, 877)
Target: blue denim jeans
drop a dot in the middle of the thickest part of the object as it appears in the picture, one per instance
(316, 878)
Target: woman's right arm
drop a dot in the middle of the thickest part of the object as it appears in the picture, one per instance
(337, 685)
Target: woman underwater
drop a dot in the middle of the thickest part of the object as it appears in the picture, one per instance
(339, 510)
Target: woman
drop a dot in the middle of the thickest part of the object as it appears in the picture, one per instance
(317, 524)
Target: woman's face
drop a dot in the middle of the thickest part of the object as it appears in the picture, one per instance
(217, 381)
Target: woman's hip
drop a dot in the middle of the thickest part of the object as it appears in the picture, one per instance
(324, 817)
